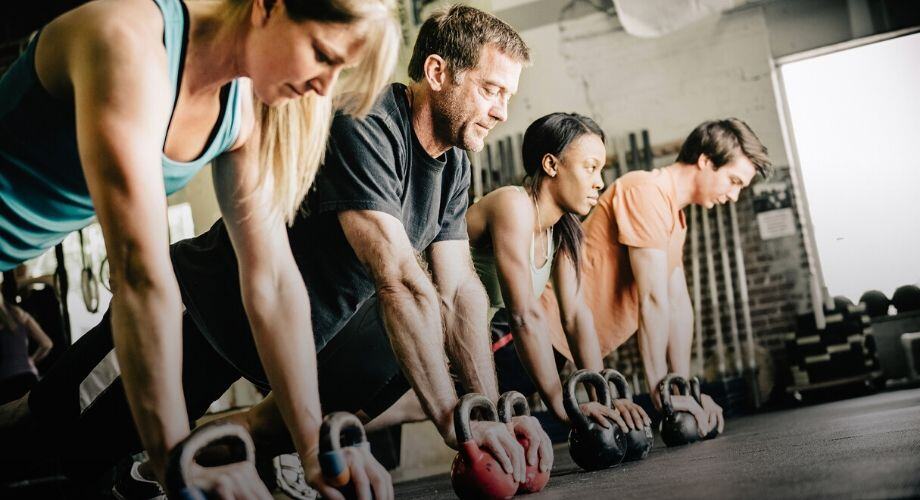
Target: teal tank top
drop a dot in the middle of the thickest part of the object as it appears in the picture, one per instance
(484, 263)
(43, 192)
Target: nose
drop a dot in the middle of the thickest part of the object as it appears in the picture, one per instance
(598, 181)
(500, 110)
(733, 195)
(323, 83)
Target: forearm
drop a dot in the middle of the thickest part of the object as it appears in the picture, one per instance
(409, 308)
(583, 343)
(654, 324)
(536, 352)
(146, 330)
(680, 338)
(466, 331)
(284, 338)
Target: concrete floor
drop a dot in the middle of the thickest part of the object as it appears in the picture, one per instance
(867, 447)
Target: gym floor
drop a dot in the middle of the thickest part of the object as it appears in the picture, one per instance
(867, 447)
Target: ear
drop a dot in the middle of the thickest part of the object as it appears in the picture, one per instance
(550, 165)
(703, 162)
(435, 71)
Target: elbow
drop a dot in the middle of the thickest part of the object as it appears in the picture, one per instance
(136, 272)
(403, 290)
(526, 321)
(653, 301)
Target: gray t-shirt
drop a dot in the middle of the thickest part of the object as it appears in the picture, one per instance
(374, 164)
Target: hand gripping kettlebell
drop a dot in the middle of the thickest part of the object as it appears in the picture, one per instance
(638, 441)
(677, 427)
(514, 403)
(475, 472)
(698, 396)
(592, 446)
(331, 456)
(188, 478)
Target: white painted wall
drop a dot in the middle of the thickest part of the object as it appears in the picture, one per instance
(716, 68)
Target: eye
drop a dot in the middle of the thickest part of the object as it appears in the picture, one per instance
(491, 91)
(321, 57)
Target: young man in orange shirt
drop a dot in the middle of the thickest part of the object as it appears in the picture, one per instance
(633, 278)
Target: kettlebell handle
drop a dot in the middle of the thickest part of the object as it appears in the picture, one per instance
(695, 390)
(664, 390)
(570, 402)
(619, 384)
(511, 404)
(462, 415)
(181, 462)
(331, 431)
(331, 460)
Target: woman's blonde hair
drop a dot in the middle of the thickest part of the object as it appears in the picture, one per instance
(293, 135)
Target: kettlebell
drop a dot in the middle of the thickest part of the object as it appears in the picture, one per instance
(190, 476)
(592, 446)
(475, 472)
(514, 403)
(638, 441)
(331, 456)
(698, 396)
(677, 427)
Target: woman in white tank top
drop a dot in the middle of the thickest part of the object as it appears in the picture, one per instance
(521, 236)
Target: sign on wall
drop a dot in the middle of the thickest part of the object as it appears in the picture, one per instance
(773, 206)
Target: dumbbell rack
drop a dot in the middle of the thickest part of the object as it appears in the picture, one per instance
(843, 353)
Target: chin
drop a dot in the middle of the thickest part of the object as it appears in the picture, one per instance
(473, 144)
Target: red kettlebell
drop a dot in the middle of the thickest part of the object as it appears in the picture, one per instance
(476, 473)
(335, 426)
(510, 401)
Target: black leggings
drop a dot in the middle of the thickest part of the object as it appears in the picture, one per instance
(81, 417)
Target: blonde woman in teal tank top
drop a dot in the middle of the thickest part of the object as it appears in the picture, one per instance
(521, 236)
(118, 103)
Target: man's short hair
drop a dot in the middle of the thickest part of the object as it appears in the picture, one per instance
(720, 139)
(458, 34)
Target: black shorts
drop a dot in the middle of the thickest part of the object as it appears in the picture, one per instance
(512, 376)
(81, 415)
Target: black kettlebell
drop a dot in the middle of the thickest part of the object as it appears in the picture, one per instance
(677, 427)
(191, 474)
(331, 457)
(592, 446)
(698, 396)
(638, 441)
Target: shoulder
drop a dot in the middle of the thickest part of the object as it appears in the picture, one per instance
(646, 185)
(508, 204)
(113, 27)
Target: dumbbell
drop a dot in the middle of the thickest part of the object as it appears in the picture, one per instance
(638, 441)
(592, 446)
(189, 476)
(514, 403)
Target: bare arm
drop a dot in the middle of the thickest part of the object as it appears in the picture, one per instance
(680, 336)
(464, 307)
(649, 266)
(411, 315)
(511, 222)
(122, 102)
(273, 294)
(577, 320)
(409, 308)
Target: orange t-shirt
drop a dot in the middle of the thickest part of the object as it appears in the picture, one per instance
(639, 210)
